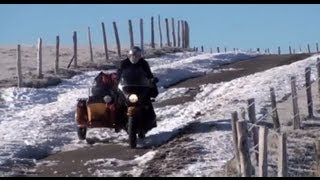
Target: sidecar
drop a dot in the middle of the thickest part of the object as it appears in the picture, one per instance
(99, 110)
(93, 112)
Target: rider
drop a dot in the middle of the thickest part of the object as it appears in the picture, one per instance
(135, 60)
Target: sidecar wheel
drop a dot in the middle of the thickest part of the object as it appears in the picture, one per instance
(82, 133)
(132, 134)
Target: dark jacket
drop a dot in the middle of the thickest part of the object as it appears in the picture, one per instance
(146, 68)
(142, 63)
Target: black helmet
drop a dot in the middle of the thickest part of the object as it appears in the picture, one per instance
(135, 54)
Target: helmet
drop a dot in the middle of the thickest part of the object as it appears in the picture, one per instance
(134, 54)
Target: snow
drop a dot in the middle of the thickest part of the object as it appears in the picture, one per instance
(37, 122)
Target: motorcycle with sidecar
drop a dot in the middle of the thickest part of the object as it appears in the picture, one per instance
(125, 104)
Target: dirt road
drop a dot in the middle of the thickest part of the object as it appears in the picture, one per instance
(72, 163)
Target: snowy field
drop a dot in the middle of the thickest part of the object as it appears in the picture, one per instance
(37, 122)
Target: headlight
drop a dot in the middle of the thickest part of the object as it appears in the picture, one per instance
(133, 98)
(107, 99)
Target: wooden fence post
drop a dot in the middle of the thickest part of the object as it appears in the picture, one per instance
(131, 34)
(19, 74)
(168, 35)
(152, 33)
(141, 35)
(202, 49)
(275, 117)
(290, 50)
(317, 149)
(56, 62)
(75, 54)
(160, 32)
(282, 155)
(309, 51)
(117, 38)
(318, 70)
(279, 51)
(296, 115)
(39, 59)
(90, 45)
(105, 41)
(243, 146)
(317, 47)
(225, 49)
(173, 33)
(252, 119)
(178, 33)
(234, 119)
(263, 146)
(187, 35)
(309, 94)
(218, 50)
(183, 40)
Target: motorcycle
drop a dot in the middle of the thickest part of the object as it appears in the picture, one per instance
(137, 92)
(128, 108)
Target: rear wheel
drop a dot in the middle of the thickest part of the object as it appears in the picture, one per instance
(132, 133)
(82, 133)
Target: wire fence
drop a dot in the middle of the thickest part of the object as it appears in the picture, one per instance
(250, 136)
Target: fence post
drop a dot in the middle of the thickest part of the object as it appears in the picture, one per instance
(279, 51)
(160, 32)
(183, 37)
(263, 146)
(289, 49)
(309, 51)
(252, 119)
(173, 33)
(39, 58)
(317, 145)
(282, 155)
(117, 38)
(90, 45)
(187, 34)
(225, 49)
(75, 54)
(19, 74)
(309, 94)
(296, 115)
(317, 47)
(218, 50)
(168, 35)
(152, 33)
(202, 49)
(105, 41)
(318, 70)
(56, 62)
(275, 117)
(141, 35)
(244, 156)
(178, 33)
(234, 119)
(131, 33)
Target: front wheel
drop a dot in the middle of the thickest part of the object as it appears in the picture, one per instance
(132, 133)
(82, 133)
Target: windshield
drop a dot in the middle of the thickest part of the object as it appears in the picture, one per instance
(134, 77)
